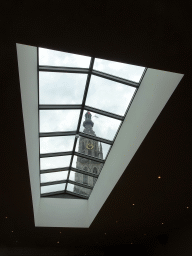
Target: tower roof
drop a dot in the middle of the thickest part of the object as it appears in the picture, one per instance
(88, 120)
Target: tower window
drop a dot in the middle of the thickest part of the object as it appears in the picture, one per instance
(85, 179)
(95, 170)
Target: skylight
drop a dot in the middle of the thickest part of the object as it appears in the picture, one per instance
(82, 104)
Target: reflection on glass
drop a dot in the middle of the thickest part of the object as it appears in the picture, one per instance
(78, 190)
(126, 71)
(92, 147)
(99, 125)
(54, 162)
(58, 120)
(64, 59)
(61, 88)
(53, 188)
(112, 96)
(54, 176)
(56, 144)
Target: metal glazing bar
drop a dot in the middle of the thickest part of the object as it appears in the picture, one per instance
(52, 134)
(81, 112)
(74, 194)
(104, 113)
(54, 170)
(80, 184)
(89, 157)
(63, 69)
(115, 78)
(53, 183)
(48, 107)
(84, 172)
(145, 70)
(86, 135)
(56, 154)
(52, 193)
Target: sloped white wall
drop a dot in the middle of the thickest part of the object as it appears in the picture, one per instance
(154, 92)
(27, 62)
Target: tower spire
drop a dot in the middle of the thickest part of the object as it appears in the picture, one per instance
(88, 121)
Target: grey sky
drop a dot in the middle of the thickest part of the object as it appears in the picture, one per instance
(63, 59)
(68, 88)
(127, 71)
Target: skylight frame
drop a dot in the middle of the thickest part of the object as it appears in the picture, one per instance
(89, 71)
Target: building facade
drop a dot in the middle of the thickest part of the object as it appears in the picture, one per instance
(92, 148)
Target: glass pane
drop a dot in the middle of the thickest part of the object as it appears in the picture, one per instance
(61, 88)
(87, 165)
(57, 58)
(108, 95)
(58, 120)
(56, 144)
(92, 147)
(78, 190)
(54, 162)
(53, 188)
(82, 178)
(126, 71)
(102, 126)
(54, 176)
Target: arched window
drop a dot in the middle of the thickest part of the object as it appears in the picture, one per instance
(83, 147)
(85, 179)
(95, 172)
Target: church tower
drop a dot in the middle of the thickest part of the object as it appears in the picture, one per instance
(92, 148)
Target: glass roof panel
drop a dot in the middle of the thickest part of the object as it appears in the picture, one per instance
(54, 176)
(53, 188)
(104, 127)
(112, 96)
(56, 144)
(81, 162)
(58, 120)
(63, 59)
(78, 190)
(82, 178)
(54, 162)
(126, 71)
(61, 88)
(92, 147)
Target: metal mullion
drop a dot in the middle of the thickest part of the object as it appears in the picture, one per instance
(52, 134)
(54, 170)
(89, 157)
(38, 110)
(79, 184)
(84, 172)
(52, 183)
(81, 112)
(64, 69)
(86, 135)
(115, 78)
(144, 72)
(53, 193)
(104, 113)
(56, 106)
(75, 194)
(56, 154)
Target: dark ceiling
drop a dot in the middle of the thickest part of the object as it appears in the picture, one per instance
(146, 33)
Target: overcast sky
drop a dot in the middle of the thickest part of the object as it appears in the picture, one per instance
(68, 88)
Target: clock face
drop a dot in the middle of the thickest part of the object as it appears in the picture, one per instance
(89, 146)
